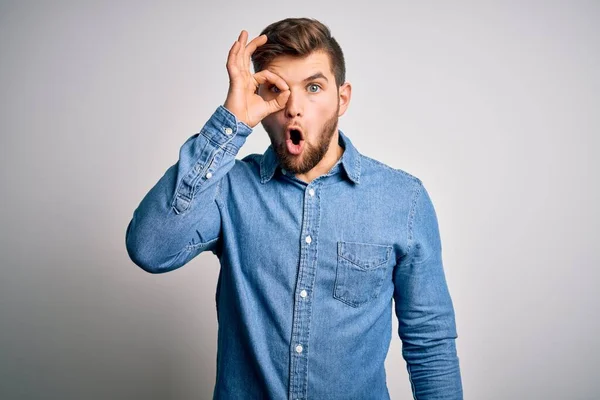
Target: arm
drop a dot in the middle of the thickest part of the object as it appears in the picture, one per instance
(180, 217)
(426, 322)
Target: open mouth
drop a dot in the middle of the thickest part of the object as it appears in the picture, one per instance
(295, 136)
(294, 141)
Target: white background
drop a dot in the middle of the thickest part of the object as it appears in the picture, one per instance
(494, 105)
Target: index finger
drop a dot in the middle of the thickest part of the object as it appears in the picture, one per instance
(265, 76)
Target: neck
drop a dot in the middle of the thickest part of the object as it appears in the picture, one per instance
(334, 153)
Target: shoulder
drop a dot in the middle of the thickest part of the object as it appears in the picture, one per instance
(247, 165)
(376, 170)
(253, 159)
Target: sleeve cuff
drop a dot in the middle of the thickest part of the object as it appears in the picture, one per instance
(225, 131)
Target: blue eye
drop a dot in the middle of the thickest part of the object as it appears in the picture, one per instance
(274, 89)
(314, 88)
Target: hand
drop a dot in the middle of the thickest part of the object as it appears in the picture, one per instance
(242, 98)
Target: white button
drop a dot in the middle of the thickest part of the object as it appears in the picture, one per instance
(311, 192)
(283, 171)
(228, 131)
(308, 239)
(303, 293)
(299, 348)
(209, 175)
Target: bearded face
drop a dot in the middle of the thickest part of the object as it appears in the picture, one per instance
(301, 132)
(302, 154)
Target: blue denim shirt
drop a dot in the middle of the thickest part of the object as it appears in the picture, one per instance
(308, 270)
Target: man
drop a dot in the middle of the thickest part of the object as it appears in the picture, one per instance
(314, 239)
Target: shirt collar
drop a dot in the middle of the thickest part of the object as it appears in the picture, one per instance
(350, 161)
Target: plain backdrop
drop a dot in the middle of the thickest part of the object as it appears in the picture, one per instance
(494, 105)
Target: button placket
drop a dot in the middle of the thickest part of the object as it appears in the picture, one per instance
(302, 313)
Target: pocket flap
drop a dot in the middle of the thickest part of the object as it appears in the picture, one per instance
(365, 255)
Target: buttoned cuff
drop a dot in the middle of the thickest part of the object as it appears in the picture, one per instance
(225, 131)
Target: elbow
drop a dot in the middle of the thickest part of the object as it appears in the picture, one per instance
(141, 256)
(145, 255)
(142, 261)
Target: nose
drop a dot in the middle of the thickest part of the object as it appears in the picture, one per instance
(293, 107)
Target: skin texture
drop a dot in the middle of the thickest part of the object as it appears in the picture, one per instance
(290, 91)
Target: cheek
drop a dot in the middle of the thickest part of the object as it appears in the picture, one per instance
(271, 124)
(323, 108)
(272, 120)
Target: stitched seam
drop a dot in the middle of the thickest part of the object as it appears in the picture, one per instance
(391, 168)
(372, 267)
(218, 198)
(225, 146)
(191, 247)
(388, 251)
(412, 384)
(195, 185)
(411, 217)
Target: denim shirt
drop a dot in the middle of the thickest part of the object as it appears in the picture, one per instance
(308, 270)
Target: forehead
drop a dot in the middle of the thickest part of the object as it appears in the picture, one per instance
(295, 69)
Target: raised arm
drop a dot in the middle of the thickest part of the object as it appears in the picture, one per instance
(179, 217)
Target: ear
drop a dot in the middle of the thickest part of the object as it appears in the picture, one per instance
(345, 93)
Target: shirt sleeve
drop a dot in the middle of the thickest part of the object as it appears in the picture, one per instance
(426, 320)
(179, 217)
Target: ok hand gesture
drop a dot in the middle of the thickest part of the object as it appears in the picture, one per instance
(242, 98)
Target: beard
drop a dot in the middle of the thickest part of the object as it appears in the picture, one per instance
(312, 153)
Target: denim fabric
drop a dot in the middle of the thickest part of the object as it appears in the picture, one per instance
(308, 271)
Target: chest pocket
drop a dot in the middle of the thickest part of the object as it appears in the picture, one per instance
(360, 271)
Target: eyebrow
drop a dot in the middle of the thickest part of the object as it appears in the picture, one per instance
(318, 75)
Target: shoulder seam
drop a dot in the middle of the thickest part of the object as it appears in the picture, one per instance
(413, 209)
(397, 170)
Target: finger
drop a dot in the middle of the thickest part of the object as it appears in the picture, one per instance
(278, 102)
(242, 39)
(265, 76)
(256, 42)
(251, 47)
(232, 66)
